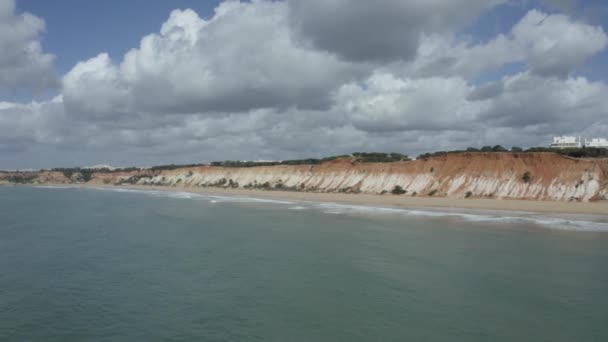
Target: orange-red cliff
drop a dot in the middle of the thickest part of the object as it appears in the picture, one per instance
(540, 176)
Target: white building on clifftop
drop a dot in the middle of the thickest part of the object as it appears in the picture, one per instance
(596, 142)
(566, 142)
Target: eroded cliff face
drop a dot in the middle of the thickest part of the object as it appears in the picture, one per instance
(540, 176)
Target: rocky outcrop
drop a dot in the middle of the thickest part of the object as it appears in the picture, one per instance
(539, 176)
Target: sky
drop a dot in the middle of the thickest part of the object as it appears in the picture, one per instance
(140, 83)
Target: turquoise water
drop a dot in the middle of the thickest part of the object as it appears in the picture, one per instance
(81, 264)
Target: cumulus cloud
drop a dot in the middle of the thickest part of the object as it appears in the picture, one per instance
(555, 44)
(553, 104)
(379, 30)
(549, 44)
(93, 89)
(23, 64)
(277, 80)
(23, 125)
(387, 103)
(242, 58)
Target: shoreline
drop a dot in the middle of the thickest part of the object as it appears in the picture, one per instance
(394, 201)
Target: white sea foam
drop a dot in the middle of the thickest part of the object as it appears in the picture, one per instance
(191, 195)
(245, 199)
(297, 208)
(584, 223)
(184, 195)
(53, 187)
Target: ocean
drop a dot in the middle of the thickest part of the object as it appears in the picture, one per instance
(124, 265)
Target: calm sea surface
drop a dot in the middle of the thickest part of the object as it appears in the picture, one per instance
(92, 265)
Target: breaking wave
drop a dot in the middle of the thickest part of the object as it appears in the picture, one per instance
(587, 223)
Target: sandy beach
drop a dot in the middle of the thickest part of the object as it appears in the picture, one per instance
(388, 200)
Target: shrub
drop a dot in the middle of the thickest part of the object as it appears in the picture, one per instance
(468, 194)
(433, 192)
(526, 177)
(24, 178)
(434, 154)
(378, 157)
(398, 190)
(167, 167)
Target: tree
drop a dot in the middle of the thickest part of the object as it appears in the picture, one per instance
(499, 148)
(486, 149)
(516, 149)
(67, 173)
(87, 174)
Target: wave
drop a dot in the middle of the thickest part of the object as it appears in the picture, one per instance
(191, 195)
(245, 199)
(297, 207)
(581, 223)
(54, 187)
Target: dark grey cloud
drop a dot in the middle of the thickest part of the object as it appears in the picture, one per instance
(378, 30)
(486, 91)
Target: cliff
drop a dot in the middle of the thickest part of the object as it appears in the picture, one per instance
(538, 176)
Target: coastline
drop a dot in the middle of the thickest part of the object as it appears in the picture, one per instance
(388, 200)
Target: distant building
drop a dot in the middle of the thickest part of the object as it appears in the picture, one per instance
(596, 142)
(566, 142)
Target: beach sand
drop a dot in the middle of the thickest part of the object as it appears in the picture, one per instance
(389, 200)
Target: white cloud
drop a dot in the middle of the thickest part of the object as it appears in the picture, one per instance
(387, 103)
(555, 44)
(94, 88)
(23, 125)
(23, 64)
(243, 85)
(240, 59)
(551, 104)
(549, 44)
